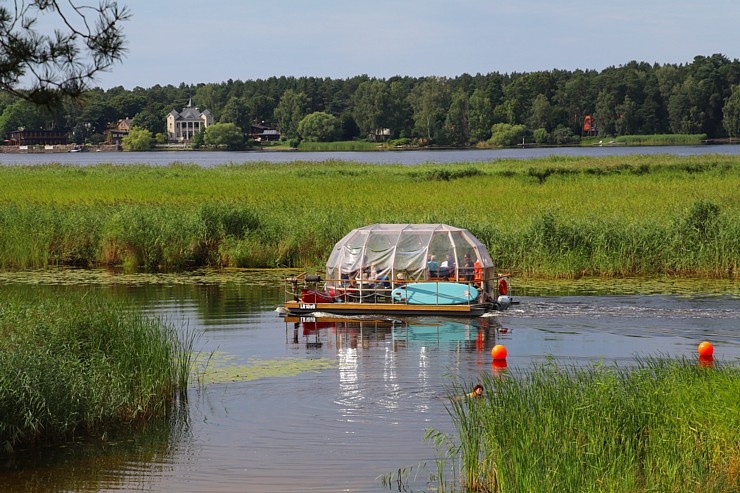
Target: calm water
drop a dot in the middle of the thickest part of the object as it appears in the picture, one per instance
(364, 414)
(208, 159)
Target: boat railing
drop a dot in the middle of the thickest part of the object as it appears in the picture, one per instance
(360, 291)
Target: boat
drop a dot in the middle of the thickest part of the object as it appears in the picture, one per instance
(402, 269)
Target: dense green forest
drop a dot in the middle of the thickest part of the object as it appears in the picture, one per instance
(546, 107)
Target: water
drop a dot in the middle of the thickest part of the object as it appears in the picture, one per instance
(209, 159)
(362, 412)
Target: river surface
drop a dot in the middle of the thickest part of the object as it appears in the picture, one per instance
(209, 159)
(305, 405)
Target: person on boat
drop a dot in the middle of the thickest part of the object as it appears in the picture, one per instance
(379, 278)
(477, 391)
(400, 279)
(477, 273)
(362, 279)
(447, 267)
(467, 268)
(433, 267)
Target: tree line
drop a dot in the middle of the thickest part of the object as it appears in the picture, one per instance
(548, 107)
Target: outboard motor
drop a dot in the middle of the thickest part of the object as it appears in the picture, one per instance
(503, 302)
(504, 299)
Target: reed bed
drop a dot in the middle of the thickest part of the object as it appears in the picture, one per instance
(650, 140)
(82, 365)
(556, 217)
(345, 145)
(662, 425)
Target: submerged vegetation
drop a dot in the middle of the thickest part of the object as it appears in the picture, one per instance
(560, 217)
(661, 425)
(82, 365)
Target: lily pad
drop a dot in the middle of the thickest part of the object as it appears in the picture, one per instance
(219, 367)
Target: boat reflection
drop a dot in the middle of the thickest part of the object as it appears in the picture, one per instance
(477, 334)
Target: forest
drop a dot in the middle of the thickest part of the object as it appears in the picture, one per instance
(543, 107)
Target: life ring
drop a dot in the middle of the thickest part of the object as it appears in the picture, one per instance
(503, 286)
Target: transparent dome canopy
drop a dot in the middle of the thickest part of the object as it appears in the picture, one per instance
(411, 252)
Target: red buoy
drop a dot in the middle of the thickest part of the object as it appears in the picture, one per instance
(706, 349)
(498, 352)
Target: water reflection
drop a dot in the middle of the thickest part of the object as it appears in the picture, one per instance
(118, 461)
(436, 333)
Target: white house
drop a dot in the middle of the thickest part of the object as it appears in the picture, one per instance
(183, 125)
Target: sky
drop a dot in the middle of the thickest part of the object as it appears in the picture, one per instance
(197, 41)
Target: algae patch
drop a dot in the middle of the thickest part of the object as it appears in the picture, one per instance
(219, 367)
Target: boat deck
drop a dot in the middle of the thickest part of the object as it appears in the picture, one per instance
(299, 308)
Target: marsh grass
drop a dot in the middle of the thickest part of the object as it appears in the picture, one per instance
(557, 217)
(345, 145)
(649, 140)
(83, 365)
(662, 425)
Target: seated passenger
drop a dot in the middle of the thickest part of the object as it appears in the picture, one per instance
(466, 271)
(444, 269)
(433, 267)
(400, 279)
(447, 267)
(452, 265)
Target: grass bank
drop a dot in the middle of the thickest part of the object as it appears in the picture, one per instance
(557, 217)
(662, 425)
(82, 365)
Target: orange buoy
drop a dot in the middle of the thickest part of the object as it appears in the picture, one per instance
(498, 352)
(706, 349)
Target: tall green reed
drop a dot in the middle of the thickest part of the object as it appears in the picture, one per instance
(563, 217)
(661, 425)
(73, 365)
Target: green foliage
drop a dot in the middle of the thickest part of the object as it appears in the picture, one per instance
(371, 108)
(430, 100)
(633, 99)
(291, 109)
(82, 364)
(138, 139)
(199, 139)
(504, 134)
(224, 135)
(541, 136)
(21, 114)
(318, 126)
(80, 41)
(731, 113)
(403, 142)
(563, 136)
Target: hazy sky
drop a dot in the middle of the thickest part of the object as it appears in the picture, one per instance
(193, 41)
